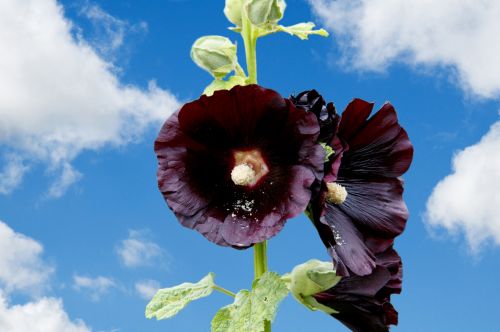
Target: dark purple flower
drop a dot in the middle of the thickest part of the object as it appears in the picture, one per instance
(360, 208)
(362, 303)
(312, 101)
(235, 166)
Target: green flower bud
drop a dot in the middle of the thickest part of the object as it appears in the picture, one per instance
(232, 10)
(265, 13)
(311, 278)
(215, 54)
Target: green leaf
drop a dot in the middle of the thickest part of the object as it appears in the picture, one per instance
(303, 30)
(251, 308)
(169, 301)
(218, 84)
(222, 319)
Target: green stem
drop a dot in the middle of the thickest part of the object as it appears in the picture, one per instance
(260, 267)
(250, 40)
(223, 290)
(260, 259)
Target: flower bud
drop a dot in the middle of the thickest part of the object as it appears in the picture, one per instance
(232, 10)
(265, 13)
(311, 278)
(215, 54)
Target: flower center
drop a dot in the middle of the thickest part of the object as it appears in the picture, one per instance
(336, 194)
(249, 168)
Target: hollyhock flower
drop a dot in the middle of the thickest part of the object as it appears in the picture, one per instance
(360, 208)
(235, 166)
(362, 303)
(312, 101)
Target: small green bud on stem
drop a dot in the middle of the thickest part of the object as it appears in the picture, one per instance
(232, 10)
(265, 13)
(215, 54)
(311, 278)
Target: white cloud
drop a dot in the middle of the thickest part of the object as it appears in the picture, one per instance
(95, 287)
(68, 176)
(147, 288)
(22, 269)
(468, 200)
(138, 250)
(109, 31)
(460, 34)
(12, 173)
(43, 315)
(21, 265)
(59, 97)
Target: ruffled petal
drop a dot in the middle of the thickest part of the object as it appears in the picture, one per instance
(348, 243)
(381, 148)
(353, 118)
(375, 205)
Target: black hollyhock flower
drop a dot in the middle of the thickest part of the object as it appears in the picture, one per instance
(312, 101)
(360, 208)
(362, 303)
(235, 166)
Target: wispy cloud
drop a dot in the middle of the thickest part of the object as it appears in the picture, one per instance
(59, 96)
(147, 288)
(468, 200)
(109, 32)
(139, 250)
(461, 35)
(12, 173)
(94, 287)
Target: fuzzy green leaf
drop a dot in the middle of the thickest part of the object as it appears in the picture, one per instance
(169, 301)
(303, 30)
(251, 308)
(222, 320)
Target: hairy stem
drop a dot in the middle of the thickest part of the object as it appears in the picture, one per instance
(260, 267)
(260, 259)
(250, 40)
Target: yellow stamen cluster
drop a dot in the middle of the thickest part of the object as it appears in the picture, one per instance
(243, 175)
(337, 194)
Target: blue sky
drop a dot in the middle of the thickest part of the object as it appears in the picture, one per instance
(85, 88)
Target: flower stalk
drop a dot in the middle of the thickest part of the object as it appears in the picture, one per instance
(296, 168)
(250, 41)
(260, 259)
(260, 267)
